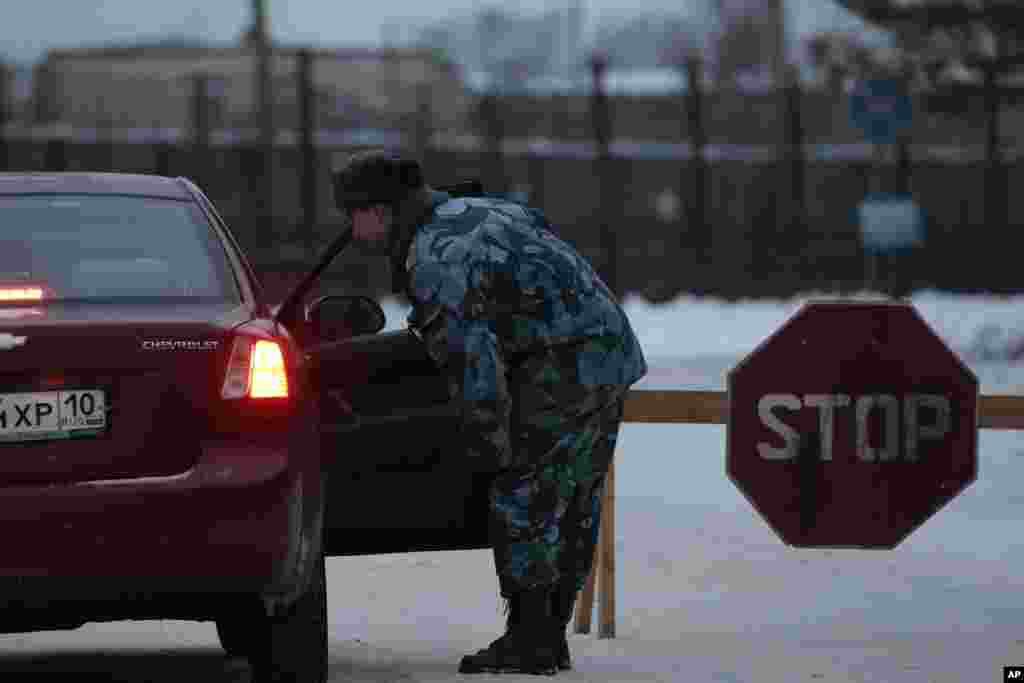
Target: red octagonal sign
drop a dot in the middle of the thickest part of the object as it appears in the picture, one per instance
(851, 425)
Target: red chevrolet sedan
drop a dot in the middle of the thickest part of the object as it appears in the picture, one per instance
(173, 447)
(159, 440)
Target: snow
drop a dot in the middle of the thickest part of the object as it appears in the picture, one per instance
(705, 592)
(692, 342)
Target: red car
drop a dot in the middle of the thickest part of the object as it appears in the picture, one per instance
(173, 447)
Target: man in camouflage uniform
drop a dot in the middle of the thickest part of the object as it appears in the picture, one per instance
(539, 357)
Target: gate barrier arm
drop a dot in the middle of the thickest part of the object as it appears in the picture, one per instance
(706, 407)
(712, 407)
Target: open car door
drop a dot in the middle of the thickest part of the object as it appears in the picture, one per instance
(396, 480)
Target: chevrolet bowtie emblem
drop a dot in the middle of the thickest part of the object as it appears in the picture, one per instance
(10, 341)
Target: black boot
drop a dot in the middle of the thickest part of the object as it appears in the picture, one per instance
(529, 647)
(563, 598)
(512, 615)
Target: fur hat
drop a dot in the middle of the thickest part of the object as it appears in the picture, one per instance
(375, 177)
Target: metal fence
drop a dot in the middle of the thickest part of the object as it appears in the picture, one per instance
(658, 218)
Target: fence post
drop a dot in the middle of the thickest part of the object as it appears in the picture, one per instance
(55, 158)
(995, 197)
(606, 598)
(493, 134)
(309, 160)
(796, 232)
(585, 600)
(6, 114)
(537, 179)
(603, 566)
(424, 122)
(697, 214)
(601, 121)
(265, 182)
(906, 137)
(105, 137)
(796, 146)
(200, 126)
(163, 157)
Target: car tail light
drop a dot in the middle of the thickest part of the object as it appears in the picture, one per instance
(256, 370)
(9, 293)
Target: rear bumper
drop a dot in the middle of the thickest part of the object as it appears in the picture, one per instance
(232, 523)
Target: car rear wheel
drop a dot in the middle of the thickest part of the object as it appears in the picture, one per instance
(236, 636)
(292, 647)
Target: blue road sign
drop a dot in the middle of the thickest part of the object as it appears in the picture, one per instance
(890, 221)
(881, 108)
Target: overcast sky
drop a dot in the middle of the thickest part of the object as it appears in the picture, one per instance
(36, 25)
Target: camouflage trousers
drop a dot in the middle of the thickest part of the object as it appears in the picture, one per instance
(545, 516)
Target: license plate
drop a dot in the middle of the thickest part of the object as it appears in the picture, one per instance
(52, 415)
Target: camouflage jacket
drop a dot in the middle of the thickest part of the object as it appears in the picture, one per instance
(491, 286)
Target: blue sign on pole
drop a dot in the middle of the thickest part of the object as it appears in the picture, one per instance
(890, 222)
(881, 108)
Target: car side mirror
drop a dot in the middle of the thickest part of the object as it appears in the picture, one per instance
(333, 318)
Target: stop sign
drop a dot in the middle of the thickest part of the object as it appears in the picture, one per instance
(851, 425)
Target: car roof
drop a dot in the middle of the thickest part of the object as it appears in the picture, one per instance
(93, 183)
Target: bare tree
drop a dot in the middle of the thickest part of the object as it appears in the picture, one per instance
(952, 40)
(962, 47)
(837, 57)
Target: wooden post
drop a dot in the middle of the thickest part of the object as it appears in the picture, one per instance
(585, 603)
(604, 566)
(606, 598)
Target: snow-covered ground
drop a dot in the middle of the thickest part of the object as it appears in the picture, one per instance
(705, 592)
(692, 342)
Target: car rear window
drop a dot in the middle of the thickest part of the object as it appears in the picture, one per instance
(112, 247)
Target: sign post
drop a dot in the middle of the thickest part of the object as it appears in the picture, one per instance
(883, 109)
(889, 221)
(851, 425)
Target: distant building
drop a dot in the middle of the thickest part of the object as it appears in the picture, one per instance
(154, 86)
(510, 47)
(648, 40)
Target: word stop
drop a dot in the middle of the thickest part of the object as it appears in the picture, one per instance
(828, 405)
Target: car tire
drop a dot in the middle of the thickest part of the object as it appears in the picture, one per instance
(237, 636)
(291, 647)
